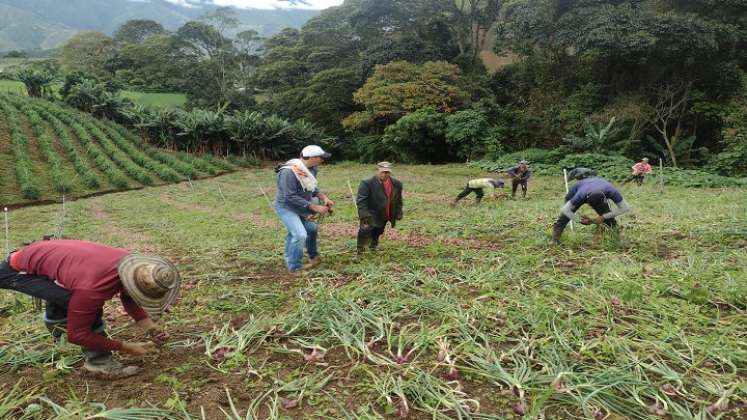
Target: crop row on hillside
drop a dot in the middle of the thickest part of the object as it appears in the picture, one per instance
(27, 179)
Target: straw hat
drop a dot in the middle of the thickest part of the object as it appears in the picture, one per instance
(151, 281)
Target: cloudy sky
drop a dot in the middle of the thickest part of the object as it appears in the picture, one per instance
(270, 4)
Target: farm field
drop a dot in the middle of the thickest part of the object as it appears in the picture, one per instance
(466, 312)
(164, 100)
(47, 151)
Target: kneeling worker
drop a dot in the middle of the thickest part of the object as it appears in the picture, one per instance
(595, 192)
(478, 187)
(76, 278)
(379, 201)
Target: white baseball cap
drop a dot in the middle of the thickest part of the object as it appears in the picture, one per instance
(314, 151)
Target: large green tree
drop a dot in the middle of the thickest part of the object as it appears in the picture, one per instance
(88, 52)
(399, 88)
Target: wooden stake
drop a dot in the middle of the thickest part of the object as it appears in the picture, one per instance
(661, 176)
(190, 185)
(7, 234)
(352, 196)
(565, 178)
(269, 203)
(61, 227)
(220, 190)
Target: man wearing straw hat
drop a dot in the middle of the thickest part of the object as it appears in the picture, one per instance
(379, 201)
(76, 279)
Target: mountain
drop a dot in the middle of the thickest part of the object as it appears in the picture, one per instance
(45, 24)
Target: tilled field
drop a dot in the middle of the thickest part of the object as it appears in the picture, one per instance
(466, 313)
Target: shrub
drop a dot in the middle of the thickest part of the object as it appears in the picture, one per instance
(419, 137)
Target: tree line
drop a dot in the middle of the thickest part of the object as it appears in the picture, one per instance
(406, 79)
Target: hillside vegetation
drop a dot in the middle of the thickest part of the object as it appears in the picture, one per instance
(47, 150)
(47, 24)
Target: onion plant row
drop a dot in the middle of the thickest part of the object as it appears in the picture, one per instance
(28, 180)
(163, 171)
(116, 177)
(81, 165)
(119, 157)
(186, 164)
(61, 183)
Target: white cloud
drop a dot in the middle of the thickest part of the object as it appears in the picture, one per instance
(269, 4)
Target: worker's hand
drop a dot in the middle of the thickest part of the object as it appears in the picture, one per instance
(319, 209)
(585, 221)
(327, 202)
(139, 349)
(366, 222)
(598, 220)
(159, 336)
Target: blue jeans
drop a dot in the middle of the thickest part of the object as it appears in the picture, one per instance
(56, 299)
(300, 232)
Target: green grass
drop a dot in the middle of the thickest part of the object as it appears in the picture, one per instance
(466, 312)
(165, 100)
(161, 100)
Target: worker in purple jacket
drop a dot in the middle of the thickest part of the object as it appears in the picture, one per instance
(595, 192)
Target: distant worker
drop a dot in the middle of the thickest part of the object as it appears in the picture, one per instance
(640, 171)
(76, 279)
(478, 187)
(595, 192)
(519, 176)
(298, 200)
(379, 201)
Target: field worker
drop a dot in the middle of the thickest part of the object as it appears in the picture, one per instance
(595, 192)
(76, 278)
(379, 201)
(519, 176)
(640, 170)
(478, 187)
(298, 200)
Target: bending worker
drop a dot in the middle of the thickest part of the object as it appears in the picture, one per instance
(595, 192)
(379, 201)
(519, 176)
(478, 187)
(76, 278)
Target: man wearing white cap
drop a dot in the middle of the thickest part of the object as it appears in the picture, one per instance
(379, 201)
(76, 279)
(297, 201)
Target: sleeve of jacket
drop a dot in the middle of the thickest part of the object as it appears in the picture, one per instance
(82, 313)
(364, 192)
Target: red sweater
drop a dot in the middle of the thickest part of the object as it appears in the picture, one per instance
(388, 188)
(89, 270)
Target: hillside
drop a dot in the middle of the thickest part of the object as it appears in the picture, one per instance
(47, 150)
(46, 24)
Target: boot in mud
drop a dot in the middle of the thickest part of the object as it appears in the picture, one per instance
(557, 232)
(313, 263)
